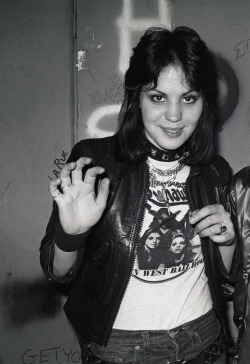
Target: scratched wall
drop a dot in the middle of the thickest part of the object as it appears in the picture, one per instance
(225, 26)
(36, 119)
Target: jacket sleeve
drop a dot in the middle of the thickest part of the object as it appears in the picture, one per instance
(47, 250)
(241, 261)
(55, 235)
(227, 199)
(231, 208)
(229, 277)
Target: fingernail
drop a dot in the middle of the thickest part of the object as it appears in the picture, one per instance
(192, 220)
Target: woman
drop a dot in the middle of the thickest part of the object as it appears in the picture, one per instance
(149, 253)
(162, 156)
(179, 251)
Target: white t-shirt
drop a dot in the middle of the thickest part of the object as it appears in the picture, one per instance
(168, 286)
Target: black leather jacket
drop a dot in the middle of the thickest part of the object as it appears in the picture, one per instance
(240, 195)
(100, 276)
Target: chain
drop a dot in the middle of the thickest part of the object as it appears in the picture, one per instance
(163, 178)
(158, 174)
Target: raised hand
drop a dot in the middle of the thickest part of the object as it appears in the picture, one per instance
(79, 206)
(213, 221)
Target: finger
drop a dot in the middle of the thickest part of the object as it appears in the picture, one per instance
(77, 172)
(65, 174)
(211, 230)
(204, 212)
(53, 188)
(103, 192)
(220, 232)
(192, 213)
(208, 222)
(218, 222)
(225, 238)
(92, 173)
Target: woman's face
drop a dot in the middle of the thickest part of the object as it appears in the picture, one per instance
(153, 240)
(171, 111)
(177, 245)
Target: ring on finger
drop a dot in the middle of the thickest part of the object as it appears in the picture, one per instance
(223, 228)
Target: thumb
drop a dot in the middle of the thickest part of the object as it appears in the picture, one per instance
(103, 193)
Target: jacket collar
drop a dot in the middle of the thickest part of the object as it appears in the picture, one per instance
(216, 173)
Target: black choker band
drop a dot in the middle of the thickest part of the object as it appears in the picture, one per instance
(164, 155)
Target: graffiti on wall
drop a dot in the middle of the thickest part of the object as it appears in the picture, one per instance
(242, 48)
(127, 24)
(59, 163)
(242, 44)
(52, 355)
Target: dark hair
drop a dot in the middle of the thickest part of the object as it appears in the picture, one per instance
(175, 235)
(158, 48)
(147, 233)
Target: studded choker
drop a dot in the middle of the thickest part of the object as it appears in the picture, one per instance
(164, 155)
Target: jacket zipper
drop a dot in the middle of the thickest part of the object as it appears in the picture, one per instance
(133, 239)
(190, 202)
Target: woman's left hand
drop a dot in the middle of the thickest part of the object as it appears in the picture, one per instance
(213, 221)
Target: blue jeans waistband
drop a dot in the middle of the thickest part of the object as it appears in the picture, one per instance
(184, 342)
(201, 324)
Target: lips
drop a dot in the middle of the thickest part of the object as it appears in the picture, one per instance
(172, 133)
(153, 245)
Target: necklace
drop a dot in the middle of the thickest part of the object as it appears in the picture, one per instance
(163, 177)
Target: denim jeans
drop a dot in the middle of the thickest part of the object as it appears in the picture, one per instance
(185, 342)
(199, 360)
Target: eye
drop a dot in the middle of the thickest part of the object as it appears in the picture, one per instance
(190, 99)
(158, 99)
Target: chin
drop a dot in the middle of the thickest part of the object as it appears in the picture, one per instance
(170, 147)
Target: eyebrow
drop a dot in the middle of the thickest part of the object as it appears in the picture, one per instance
(163, 93)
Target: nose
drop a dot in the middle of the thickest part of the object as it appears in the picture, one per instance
(173, 112)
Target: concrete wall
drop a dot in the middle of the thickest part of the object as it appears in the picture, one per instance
(225, 26)
(37, 130)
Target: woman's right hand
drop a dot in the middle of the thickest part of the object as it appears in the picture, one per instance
(79, 206)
